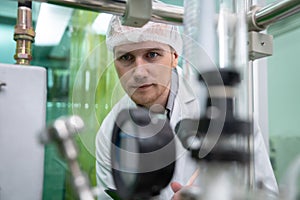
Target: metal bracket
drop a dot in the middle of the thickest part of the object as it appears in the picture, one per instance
(138, 13)
(259, 45)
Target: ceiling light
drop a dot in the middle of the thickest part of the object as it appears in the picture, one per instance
(101, 23)
(51, 24)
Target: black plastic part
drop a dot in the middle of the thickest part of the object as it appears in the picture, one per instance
(219, 135)
(140, 116)
(222, 127)
(27, 4)
(148, 139)
(226, 77)
(225, 107)
(221, 151)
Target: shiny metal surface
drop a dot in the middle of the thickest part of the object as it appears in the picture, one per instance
(250, 141)
(116, 7)
(167, 13)
(24, 36)
(61, 132)
(161, 12)
(276, 11)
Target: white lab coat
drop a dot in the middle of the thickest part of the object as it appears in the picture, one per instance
(186, 105)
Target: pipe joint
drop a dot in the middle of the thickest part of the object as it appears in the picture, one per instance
(252, 22)
(24, 22)
(24, 34)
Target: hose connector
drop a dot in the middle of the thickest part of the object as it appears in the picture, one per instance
(24, 33)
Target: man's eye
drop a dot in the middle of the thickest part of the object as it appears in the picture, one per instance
(125, 57)
(152, 54)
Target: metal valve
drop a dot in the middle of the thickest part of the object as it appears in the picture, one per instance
(61, 132)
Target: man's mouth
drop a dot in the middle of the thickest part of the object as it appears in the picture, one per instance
(143, 86)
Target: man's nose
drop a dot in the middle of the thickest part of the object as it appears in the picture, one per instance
(140, 61)
(140, 71)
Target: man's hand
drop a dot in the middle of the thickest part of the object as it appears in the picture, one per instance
(176, 187)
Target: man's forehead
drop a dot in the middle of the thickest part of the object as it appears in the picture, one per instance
(140, 46)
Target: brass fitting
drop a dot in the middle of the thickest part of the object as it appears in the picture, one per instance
(24, 36)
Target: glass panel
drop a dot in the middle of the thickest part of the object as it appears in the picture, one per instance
(284, 98)
(82, 81)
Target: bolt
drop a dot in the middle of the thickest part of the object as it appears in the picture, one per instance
(2, 84)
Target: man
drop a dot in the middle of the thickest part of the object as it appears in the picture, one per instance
(146, 62)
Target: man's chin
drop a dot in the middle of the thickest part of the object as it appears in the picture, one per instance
(141, 100)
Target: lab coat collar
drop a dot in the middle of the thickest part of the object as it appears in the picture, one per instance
(186, 104)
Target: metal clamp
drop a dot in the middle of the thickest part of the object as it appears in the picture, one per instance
(138, 13)
(259, 45)
(251, 18)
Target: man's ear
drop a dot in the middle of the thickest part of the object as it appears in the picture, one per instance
(174, 59)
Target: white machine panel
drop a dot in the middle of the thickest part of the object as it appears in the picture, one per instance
(22, 116)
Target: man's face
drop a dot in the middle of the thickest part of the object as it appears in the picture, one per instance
(145, 70)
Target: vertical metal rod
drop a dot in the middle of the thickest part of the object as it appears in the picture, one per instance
(248, 4)
(251, 135)
(251, 176)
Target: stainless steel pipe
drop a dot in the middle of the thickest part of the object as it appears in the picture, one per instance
(165, 13)
(272, 13)
(161, 12)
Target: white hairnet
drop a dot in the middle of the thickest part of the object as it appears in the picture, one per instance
(118, 34)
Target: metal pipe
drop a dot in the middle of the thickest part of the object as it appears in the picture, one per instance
(166, 13)
(277, 11)
(115, 7)
(161, 12)
(251, 176)
(260, 19)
